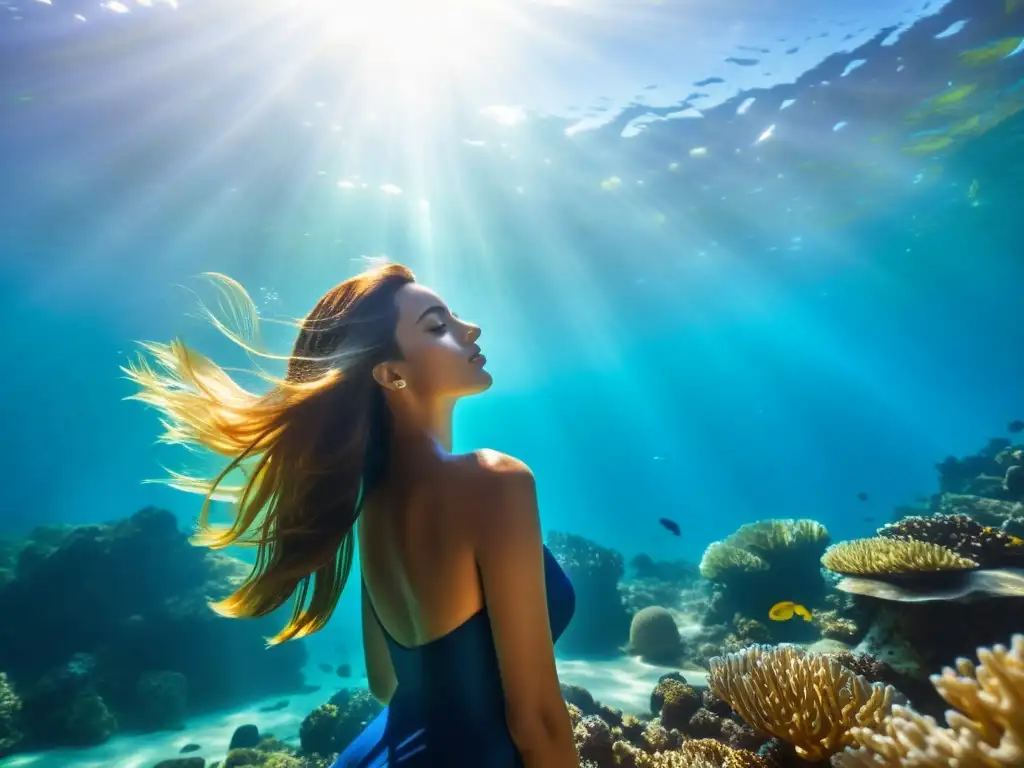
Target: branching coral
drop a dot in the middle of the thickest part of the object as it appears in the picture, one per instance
(885, 556)
(807, 699)
(985, 730)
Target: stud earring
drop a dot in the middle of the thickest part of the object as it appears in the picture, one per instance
(400, 384)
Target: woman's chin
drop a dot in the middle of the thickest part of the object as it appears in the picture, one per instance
(483, 382)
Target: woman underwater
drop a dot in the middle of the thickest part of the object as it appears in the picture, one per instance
(460, 599)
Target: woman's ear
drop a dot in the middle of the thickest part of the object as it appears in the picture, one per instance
(387, 376)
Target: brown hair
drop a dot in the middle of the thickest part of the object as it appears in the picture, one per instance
(311, 448)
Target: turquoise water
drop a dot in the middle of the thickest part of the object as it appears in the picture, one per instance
(730, 262)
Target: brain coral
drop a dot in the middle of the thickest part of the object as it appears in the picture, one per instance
(654, 636)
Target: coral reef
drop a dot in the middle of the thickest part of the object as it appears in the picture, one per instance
(963, 535)
(925, 584)
(114, 630)
(600, 625)
(987, 487)
(985, 728)
(333, 726)
(10, 709)
(809, 700)
(695, 753)
(679, 573)
(764, 563)
(669, 584)
(675, 702)
(691, 737)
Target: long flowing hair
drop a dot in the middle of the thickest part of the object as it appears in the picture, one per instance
(310, 448)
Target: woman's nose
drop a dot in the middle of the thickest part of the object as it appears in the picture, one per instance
(473, 332)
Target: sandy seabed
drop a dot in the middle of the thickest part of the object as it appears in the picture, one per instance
(623, 683)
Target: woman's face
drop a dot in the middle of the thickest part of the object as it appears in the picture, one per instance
(440, 356)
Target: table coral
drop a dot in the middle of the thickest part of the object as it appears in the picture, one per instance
(884, 556)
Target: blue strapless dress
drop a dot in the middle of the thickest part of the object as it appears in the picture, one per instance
(449, 708)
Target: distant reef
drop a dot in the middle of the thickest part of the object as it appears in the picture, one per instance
(107, 628)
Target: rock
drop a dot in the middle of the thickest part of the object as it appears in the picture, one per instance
(245, 737)
(126, 603)
(162, 698)
(600, 624)
(580, 697)
(991, 512)
(182, 762)
(886, 641)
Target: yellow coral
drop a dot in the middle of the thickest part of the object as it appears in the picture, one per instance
(986, 729)
(768, 535)
(720, 557)
(695, 753)
(807, 699)
(882, 556)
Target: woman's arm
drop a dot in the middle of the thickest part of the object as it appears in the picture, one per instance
(380, 673)
(510, 557)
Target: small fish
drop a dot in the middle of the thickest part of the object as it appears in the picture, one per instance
(862, 496)
(1015, 426)
(670, 525)
(277, 706)
(869, 519)
(786, 610)
(1015, 541)
(344, 670)
(325, 667)
(189, 748)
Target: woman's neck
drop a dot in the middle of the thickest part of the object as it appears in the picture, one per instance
(434, 422)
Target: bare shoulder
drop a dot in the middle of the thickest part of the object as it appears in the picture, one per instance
(494, 470)
(498, 482)
(488, 463)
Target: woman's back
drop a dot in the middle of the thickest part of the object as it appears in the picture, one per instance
(417, 550)
(423, 594)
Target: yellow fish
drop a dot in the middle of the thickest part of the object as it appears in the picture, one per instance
(786, 610)
(927, 146)
(953, 95)
(987, 54)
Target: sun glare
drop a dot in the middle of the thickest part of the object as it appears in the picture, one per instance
(413, 39)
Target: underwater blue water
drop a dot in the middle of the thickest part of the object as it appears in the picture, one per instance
(692, 308)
